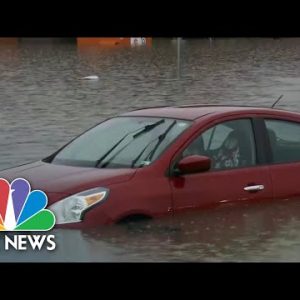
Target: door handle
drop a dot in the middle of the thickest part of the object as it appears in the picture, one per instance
(254, 188)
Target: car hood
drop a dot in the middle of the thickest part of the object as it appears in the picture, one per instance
(58, 180)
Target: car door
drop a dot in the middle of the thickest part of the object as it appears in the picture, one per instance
(244, 178)
(284, 142)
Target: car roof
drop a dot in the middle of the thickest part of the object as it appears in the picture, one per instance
(192, 112)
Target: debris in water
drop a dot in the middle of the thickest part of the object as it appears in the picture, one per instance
(92, 77)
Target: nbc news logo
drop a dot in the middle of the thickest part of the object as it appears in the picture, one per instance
(24, 210)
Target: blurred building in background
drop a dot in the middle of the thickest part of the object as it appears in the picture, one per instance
(116, 41)
(83, 41)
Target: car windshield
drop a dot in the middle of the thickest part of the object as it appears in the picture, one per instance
(122, 142)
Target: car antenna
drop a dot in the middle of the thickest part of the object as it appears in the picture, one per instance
(276, 101)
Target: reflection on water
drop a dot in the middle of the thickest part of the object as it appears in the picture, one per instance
(44, 103)
(243, 232)
(236, 232)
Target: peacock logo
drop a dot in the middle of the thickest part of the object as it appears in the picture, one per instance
(22, 209)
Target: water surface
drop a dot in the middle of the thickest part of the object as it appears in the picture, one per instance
(44, 104)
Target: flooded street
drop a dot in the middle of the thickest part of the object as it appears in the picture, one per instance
(44, 103)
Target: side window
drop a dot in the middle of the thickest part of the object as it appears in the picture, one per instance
(284, 137)
(218, 133)
(230, 145)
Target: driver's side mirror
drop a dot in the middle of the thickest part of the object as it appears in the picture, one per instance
(193, 164)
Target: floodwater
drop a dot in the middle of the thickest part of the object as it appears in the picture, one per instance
(44, 103)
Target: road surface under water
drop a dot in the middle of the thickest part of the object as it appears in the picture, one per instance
(44, 103)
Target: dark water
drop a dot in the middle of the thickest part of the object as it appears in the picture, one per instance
(44, 103)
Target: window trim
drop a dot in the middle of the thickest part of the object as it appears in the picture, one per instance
(263, 147)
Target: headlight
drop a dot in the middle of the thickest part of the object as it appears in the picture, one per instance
(71, 209)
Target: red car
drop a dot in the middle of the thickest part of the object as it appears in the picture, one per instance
(159, 161)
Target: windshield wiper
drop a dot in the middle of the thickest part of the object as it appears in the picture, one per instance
(149, 127)
(142, 130)
(160, 139)
(141, 153)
